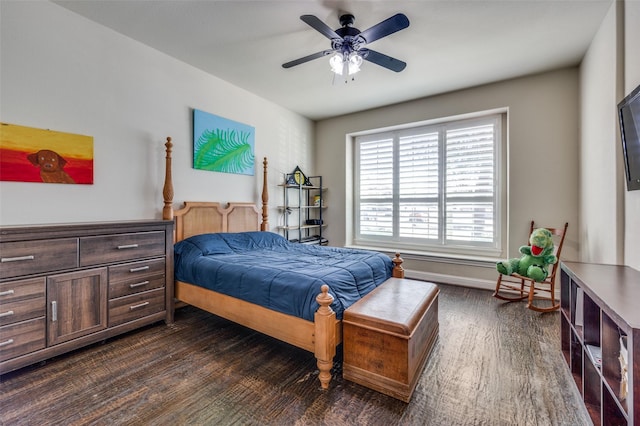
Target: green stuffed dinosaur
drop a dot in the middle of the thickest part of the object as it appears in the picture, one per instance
(535, 258)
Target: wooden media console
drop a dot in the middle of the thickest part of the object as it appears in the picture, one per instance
(600, 326)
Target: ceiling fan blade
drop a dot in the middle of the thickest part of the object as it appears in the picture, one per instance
(320, 26)
(388, 26)
(307, 58)
(383, 60)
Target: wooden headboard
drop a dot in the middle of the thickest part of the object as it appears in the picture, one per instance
(197, 217)
(203, 217)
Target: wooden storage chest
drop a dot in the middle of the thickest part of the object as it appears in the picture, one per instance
(388, 335)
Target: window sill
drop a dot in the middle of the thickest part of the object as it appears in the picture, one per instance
(457, 259)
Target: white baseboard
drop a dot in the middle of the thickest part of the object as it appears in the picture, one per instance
(456, 280)
(451, 279)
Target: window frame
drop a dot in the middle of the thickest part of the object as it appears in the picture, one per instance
(418, 246)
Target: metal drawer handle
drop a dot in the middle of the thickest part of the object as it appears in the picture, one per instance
(6, 292)
(17, 258)
(6, 342)
(141, 305)
(127, 246)
(142, 268)
(138, 284)
(6, 314)
(54, 311)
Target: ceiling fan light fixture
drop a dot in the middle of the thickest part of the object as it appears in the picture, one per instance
(337, 62)
(348, 45)
(355, 61)
(345, 64)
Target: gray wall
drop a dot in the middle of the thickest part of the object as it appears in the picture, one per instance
(542, 162)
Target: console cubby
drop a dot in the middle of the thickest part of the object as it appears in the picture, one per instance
(592, 388)
(599, 313)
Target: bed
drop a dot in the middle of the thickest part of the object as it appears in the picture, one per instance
(217, 237)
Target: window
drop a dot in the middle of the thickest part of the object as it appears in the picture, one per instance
(430, 188)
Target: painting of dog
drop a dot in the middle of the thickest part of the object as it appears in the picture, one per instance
(51, 166)
(28, 154)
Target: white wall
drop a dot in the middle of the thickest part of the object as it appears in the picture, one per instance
(609, 225)
(601, 193)
(62, 72)
(543, 160)
(631, 81)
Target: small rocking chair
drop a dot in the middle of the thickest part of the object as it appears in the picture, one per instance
(516, 287)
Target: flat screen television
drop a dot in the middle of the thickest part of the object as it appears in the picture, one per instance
(629, 118)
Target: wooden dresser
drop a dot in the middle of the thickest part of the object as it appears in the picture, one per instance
(66, 286)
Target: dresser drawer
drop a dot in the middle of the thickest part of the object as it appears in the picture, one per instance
(135, 277)
(125, 288)
(33, 257)
(136, 270)
(120, 247)
(22, 300)
(128, 308)
(21, 338)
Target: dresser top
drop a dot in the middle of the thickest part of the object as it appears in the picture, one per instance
(56, 230)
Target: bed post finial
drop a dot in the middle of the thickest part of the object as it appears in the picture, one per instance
(264, 226)
(325, 335)
(167, 190)
(398, 270)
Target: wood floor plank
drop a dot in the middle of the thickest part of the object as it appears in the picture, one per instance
(493, 364)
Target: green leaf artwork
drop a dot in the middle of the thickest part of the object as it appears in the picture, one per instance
(222, 145)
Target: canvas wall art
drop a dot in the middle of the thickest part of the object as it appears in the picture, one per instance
(28, 154)
(222, 145)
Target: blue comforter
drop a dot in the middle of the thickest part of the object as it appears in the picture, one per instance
(266, 269)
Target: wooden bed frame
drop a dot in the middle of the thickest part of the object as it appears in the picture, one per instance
(321, 337)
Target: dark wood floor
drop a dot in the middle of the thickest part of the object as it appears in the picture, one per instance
(493, 364)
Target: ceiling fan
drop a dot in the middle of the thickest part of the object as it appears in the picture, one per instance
(348, 44)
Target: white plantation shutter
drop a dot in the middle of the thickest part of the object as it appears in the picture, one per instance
(418, 185)
(376, 186)
(429, 186)
(470, 187)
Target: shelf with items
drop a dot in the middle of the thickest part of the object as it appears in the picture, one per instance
(600, 338)
(303, 208)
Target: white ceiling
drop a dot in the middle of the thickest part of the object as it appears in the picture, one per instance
(449, 45)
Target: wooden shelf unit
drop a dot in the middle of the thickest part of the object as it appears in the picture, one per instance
(599, 304)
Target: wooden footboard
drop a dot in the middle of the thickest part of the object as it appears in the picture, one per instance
(319, 337)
